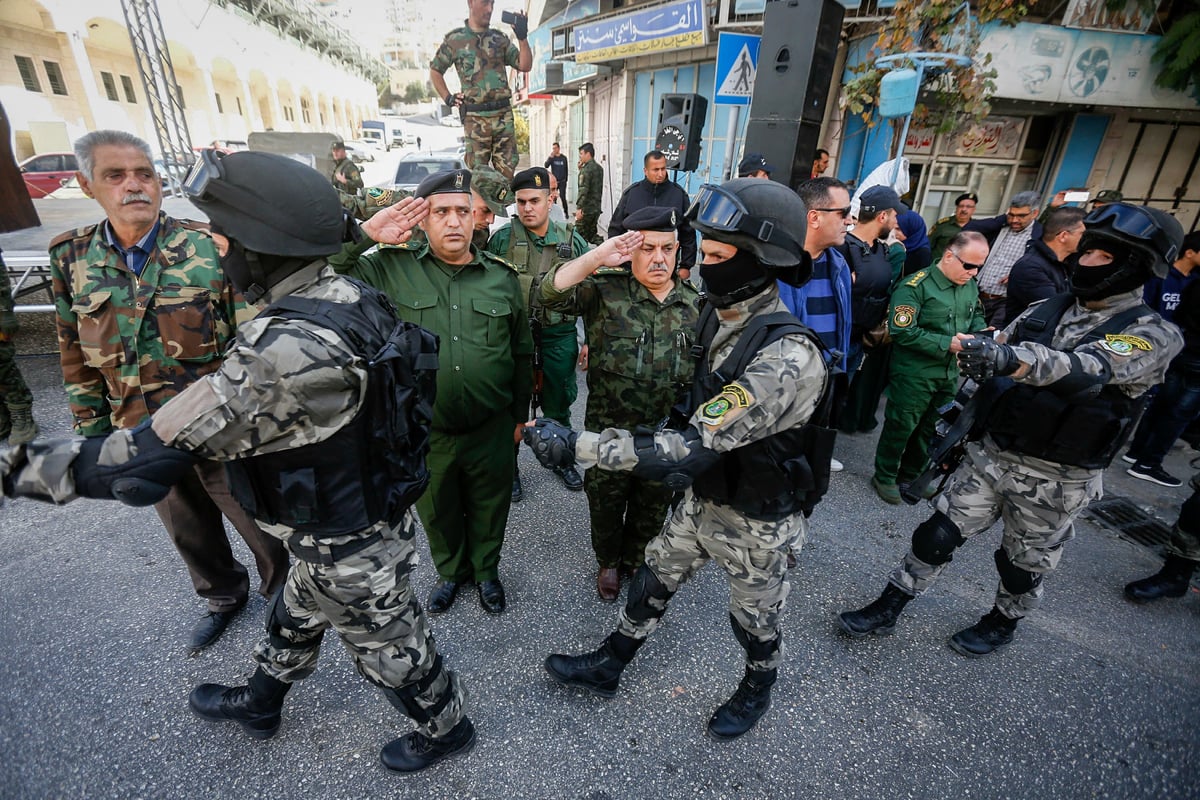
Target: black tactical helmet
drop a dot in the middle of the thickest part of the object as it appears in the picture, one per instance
(268, 203)
(1143, 242)
(765, 218)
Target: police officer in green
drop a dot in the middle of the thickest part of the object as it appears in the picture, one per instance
(927, 310)
(535, 245)
(346, 175)
(947, 228)
(472, 300)
(640, 329)
(480, 55)
(591, 192)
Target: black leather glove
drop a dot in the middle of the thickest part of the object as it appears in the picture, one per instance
(982, 358)
(552, 443)
(521, 27)
(133, 467)
(452, 100)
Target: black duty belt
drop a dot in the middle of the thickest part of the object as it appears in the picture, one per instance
(479, 108)
(328, 555)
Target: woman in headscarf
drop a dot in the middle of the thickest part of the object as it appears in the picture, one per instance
(916, 242)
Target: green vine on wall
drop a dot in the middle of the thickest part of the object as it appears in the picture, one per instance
(959, 94)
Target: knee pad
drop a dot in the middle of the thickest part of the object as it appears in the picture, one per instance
(647, 596)
(278, 620)
(1015, 579)
(935, 540)
(424, 699)
(755, 650)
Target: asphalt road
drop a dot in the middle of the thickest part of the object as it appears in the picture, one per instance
(1096, 697)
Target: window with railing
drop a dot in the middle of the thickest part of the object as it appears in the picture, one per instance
(54, 74)
(110, 86)
(28, 74)
(127, 85)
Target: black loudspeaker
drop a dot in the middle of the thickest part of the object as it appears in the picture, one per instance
(795, 67)
(680, 124)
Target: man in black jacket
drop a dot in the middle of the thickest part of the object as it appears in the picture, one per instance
(656, 190)
(1044, 270)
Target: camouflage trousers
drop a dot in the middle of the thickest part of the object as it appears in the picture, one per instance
(368, 600)
(13, 390)
(586, 227)
(1185, 538)
(626, 513)
(753, 554)
(1038, 516)
(491, 138)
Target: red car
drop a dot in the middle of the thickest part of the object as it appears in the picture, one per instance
(45, 173)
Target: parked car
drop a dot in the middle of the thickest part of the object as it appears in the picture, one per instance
(46, 172)
(360, 151)
(416, 167)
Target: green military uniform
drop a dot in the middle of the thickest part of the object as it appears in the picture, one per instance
(366, 203)
(638, 365)
(534, 256)
(940, 235)
(348, 169)
(591, 190)
(927, 310)
(483, 391)
(14, 392)
(480, 59)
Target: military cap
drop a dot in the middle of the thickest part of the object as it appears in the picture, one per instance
(652, 218)
(337, 145)
(879, 198)
(532, 178)
(449, 181)
(1108, 196)
(493, 188)
(753, 162)
(974, 198)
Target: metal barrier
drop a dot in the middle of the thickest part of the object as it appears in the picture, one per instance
(29, 271)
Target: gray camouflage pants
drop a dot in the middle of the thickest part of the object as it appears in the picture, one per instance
(368, 600)
(752, 552)
(1038, 516)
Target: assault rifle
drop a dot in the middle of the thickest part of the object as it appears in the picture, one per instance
(962, 420)
(539, 373)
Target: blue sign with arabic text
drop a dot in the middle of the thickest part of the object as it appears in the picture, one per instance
(667, 27)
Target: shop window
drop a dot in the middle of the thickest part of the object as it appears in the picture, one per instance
(110, 86)
(28, 74)
(127, 85)
(55, 76)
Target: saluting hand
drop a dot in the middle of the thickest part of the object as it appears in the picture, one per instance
(616, 251)
(395, 224)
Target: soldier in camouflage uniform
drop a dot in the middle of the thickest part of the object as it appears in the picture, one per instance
(535, 245)
(742, 445)
(143, 311)
(16, 401)
(1068, 377)
(346, 175)
(287, 409)
(640, 324)
(480, 55)
(591, 193)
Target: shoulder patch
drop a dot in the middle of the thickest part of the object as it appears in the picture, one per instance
(944, 220)
(904, 316)
(77, 233)
(915, 280)
(611, 271)
(1123, 344)
(489, 256)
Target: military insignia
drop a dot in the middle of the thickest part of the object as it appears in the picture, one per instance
(715, 409)
(674, 219)
(916, 279)
(537, 180)
(740, 396)
(502, 194)
(904, 316)
(458, 179)
(1121, 344)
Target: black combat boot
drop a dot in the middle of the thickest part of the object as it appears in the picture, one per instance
(993, 631)
(598, 671)
(878, 618)
(255, 707)
(739, 713)
(416, 751)
(1170, 581)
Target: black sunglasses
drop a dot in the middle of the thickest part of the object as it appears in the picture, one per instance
(845, 212)
(967, 265)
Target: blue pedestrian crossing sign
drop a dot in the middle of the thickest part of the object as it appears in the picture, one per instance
(737, 65)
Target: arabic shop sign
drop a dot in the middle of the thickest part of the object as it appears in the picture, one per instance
(667, 27)
(995, 137)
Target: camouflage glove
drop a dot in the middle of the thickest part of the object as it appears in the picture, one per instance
(982, 358)
(132, 466)
(551, 442)
(8, 322)
(521, 27)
